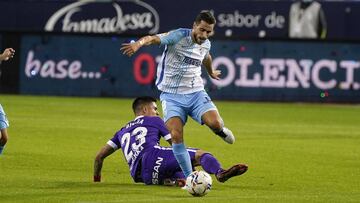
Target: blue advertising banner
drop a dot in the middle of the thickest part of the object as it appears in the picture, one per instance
(82, 66)
(286, 71)
(251, 70)
(235, 19)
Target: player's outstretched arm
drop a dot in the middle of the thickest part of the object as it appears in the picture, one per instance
(7, 54)
(207, 62)
(99, 159)
(131, 48)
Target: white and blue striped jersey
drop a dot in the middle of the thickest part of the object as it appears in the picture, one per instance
(179, 71)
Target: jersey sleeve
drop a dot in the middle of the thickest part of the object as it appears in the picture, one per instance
(162, 128)
(114, 142)
(173, 36)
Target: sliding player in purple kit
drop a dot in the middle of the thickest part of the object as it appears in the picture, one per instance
(150, 163)
(4, 123)
(179, 80)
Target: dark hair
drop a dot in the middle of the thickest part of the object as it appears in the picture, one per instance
(206, 16)
(140, 102)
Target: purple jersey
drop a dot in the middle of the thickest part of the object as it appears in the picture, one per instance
(137, 137)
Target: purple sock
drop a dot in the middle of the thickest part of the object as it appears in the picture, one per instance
(209, 163)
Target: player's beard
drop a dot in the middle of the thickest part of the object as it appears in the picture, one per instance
(199, 40)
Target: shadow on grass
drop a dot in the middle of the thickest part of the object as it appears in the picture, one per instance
(64, 191)
(89, 185)
(245, 187)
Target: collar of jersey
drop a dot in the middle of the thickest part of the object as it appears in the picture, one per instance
(139, 117)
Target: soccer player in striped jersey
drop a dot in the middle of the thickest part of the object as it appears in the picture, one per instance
(4, 123)
(149, 162)
(179, 80)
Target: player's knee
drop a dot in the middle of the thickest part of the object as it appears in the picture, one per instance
(176, 136)
(198, 155)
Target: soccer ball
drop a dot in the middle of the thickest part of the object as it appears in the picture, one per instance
(198, 183)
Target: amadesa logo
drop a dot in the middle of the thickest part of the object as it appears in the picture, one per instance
(75, 17)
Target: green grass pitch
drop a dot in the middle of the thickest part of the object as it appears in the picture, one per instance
(295, 152)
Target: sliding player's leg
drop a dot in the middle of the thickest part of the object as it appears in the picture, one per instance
(212, 166)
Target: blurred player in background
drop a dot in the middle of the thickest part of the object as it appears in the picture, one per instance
(4, 123)
(307, 20)
(179, 80)
(150, 163)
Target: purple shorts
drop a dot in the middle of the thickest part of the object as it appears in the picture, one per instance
(160, 163)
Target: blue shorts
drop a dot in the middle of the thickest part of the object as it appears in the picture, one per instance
(182, 105)
(4, 123)
(160, 163)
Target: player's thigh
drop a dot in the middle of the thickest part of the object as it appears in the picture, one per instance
(173, 105)
(154, 163)
(161, 164)
(201, 103)
(171, 166)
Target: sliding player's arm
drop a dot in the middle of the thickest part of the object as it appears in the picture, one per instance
(131, 48)
(99, 159)
(207, 62)
(163, 131)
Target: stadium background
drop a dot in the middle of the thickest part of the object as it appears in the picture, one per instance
(56, 92)
(74, 46)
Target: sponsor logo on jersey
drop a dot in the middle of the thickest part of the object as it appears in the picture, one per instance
(189, 60)
(155, 173)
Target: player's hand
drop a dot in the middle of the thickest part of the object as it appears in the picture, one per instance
(215, 74)
(129, 48)
(7, 54)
